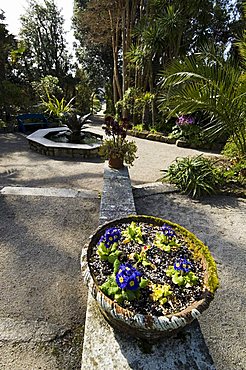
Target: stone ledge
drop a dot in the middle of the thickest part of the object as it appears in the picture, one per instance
(39, 143)
(49, 192)
(117, 197)
(107, 349)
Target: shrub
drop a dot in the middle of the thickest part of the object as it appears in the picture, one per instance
(195, 176)
(231, 150)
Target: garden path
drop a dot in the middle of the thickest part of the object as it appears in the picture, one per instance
(219, 221)
(39, 233)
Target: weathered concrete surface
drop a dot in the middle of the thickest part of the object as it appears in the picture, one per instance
(49, 192)
(12, 330)
(106, 349)
(20, 166)
(43, 298)
(117, 198)
(219, 222)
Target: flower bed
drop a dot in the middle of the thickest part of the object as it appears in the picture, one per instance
(150, 276)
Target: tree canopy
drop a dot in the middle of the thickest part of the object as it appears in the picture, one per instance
(42, 33)
(143, 36)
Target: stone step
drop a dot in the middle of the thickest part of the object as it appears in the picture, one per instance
(49, 192)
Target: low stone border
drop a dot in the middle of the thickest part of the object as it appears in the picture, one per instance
(39, 143)
(217, 147)
(150, 136)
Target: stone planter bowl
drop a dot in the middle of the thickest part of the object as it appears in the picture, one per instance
(150, 327)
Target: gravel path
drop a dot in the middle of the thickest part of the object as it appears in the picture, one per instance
(219, 223)
(19, 166)
(43, 298)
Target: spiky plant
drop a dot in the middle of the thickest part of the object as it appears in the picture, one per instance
(195, 176)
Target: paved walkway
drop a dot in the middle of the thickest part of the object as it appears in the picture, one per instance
(153, 157)
(41, 238)
(20, 166)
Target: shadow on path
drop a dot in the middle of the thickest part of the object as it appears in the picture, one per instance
(219, 223)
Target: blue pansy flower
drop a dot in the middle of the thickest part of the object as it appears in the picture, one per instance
(128, 277)
(110, 237)
(168, 231)
(182, 264)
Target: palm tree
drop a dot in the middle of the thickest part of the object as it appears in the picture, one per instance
(210, 83)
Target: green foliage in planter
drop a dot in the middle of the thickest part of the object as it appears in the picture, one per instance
(164, 243)
(142, 257)
(160, 293)
(108, 254)
(126, 150)
(133, 232)
(182, 279)
(195, 176)
(201, 251)
(112, 289)
(117, 146)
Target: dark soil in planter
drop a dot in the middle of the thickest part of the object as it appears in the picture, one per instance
(181, 297)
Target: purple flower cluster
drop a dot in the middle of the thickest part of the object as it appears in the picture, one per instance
(182, 264)
(128, 277)
(185, 120)
(115, 128)
(110, 237)
(168, 231)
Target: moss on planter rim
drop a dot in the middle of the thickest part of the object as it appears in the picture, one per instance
(196, 245)
(201, 251)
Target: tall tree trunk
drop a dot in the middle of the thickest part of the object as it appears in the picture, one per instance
(151, 89)
(115, 48)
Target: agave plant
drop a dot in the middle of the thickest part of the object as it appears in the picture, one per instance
(209, 83)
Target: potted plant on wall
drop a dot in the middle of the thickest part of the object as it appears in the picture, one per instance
(117, 149)
(150, 277)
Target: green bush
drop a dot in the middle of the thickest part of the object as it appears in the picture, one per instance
(138, 127)
(234, 173)
(195, 176)
(231, 150)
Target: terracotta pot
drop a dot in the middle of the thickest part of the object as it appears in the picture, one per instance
(116, 162)
(150, 327)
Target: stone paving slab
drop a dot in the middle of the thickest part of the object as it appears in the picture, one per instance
(107, 349)
(49, 192)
